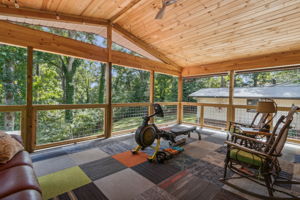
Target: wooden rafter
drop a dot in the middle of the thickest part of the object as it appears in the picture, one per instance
(18, 35)
(257, 62)
(50, 16)
(128, 35)
(124, 10)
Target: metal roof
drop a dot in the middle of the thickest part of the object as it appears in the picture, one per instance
(276, 92)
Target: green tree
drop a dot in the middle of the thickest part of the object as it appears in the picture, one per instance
(13, 83)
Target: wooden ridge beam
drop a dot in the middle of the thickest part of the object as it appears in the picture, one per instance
(144, 45)
(50, 16)
(124, 10)
(18, 35)
(128, 60)
(255, 62)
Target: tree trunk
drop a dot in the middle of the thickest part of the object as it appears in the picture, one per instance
(87, 91)
(255, 79)
(102, 84)
(9, 117)
(223, 83)
(69, 71)
(69, 93)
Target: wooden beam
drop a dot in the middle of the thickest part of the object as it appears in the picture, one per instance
(144, 45)
(257, 62)
(124, 59)
(18, 35)
(29, 135)
(124, 10)
(23, 36)
(50, 16)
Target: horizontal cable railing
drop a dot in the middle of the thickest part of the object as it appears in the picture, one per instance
(62, 124)
(216, 116)
(127, 117)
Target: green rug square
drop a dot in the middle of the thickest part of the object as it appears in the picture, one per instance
(62, 181)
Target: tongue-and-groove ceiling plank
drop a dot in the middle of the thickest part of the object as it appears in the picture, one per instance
(199, 32)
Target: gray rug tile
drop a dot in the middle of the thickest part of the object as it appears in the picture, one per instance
(226, 195)
(89, 192)
(101, 168)
(182, 161)
(210, 146)
(114, 147)
(207, 171)
(187, 186)
(86, 192)
(222, 150)
(215, 158)
(156, 172)
(52, 165)
(216, 140)
(88, 156)
(155, 193)
(125, 184)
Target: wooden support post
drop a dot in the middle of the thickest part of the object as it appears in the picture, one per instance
(108, 80)
(29, 137)
(202, 116)
(179, 107)
(230, 109)
(152, 81)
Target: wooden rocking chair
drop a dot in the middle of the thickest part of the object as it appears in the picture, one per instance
(265, 109)
(261, 163)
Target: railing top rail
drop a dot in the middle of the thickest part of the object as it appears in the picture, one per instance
(130, 104)
(280, 108)
(143, 104)
(68, 106)
(168, 103)
(205, 104)
(7, 108)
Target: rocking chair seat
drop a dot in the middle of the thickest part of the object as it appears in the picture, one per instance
(246, 157)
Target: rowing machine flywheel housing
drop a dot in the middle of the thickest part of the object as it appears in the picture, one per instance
(145, 136)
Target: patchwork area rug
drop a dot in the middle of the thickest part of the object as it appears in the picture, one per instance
(106, 169)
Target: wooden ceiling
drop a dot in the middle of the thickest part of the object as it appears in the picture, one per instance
(195, 32)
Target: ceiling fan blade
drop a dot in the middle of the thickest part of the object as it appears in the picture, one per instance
(165, 3)
(170, 2)
(161, 12)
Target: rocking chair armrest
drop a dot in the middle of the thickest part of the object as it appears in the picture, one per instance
(257, 133)
(238, 123)
(243, 148)
(249, 138)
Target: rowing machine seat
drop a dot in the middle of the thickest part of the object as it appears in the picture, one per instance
(180, 129)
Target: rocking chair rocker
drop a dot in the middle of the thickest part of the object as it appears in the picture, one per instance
(261, 164)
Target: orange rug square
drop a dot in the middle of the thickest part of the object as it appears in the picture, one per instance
(128, 159)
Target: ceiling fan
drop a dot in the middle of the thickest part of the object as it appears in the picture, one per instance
(165, 3)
